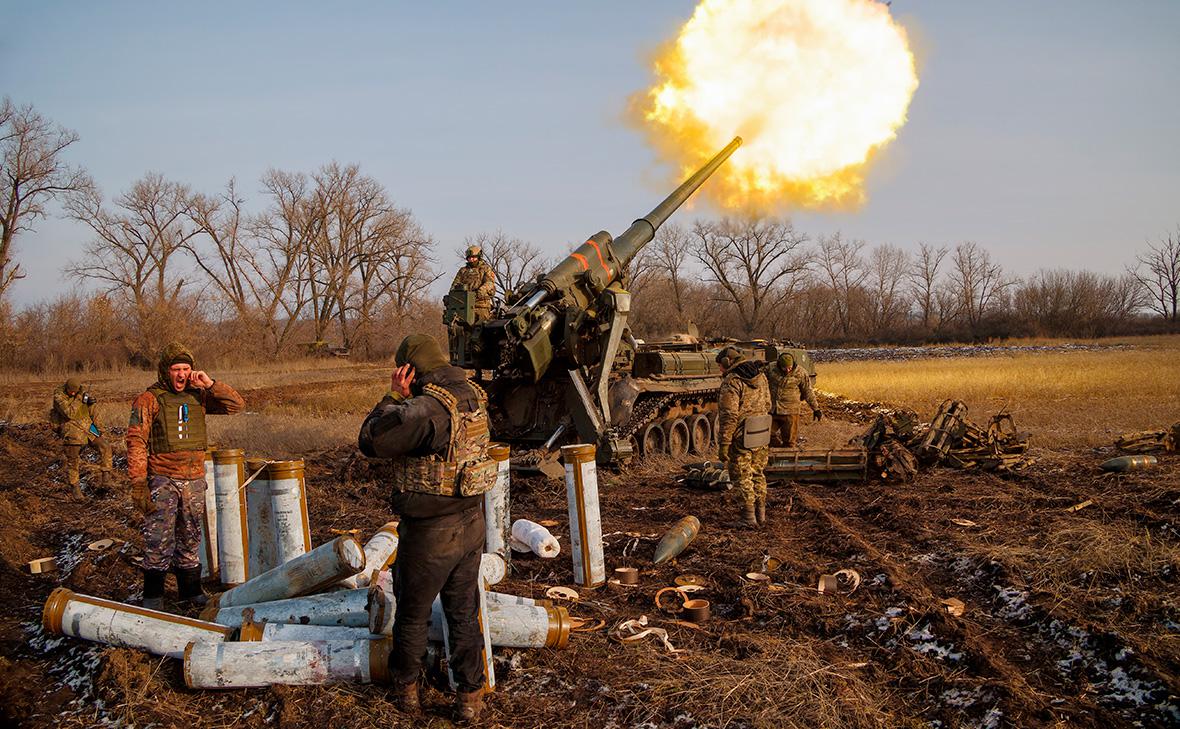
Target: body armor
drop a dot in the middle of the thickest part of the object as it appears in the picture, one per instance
(179, 424)
(466, 469)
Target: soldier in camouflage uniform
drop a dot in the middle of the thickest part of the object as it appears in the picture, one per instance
(74, 416)
(743, 394)
(433, 423)
(790, 386)
(166, 462)
(479, 277)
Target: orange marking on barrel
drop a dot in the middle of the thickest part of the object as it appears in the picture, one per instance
(582, 260)
(600, 258)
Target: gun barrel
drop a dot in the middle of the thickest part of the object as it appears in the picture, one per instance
(644, 229)
(606, 258)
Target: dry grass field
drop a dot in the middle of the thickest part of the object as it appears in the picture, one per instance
(1066, 399)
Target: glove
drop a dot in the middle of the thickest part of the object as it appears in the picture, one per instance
(817, 415)
(141, 497)
(723, 452)
(88, 398)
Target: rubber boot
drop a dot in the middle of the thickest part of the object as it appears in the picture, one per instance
(760, 509)
(153, 589)
(188, 586)
(749, 516)
(468, 706)
(405, 698)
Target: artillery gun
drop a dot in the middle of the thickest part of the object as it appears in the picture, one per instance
(559, 363)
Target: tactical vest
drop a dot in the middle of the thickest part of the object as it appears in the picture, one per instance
(467, 469)
(179, 424)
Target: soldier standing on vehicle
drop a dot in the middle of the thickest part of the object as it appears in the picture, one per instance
(790, 386)
(74, 415)
(433, 422)
(743, 430)
(479, 277)
(166, 441)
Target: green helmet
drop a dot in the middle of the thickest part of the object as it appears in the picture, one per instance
(729, 357)
(475, 251)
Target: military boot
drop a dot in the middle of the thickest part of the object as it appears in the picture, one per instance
(153, 589)
(188, 587)
(749, 517)
(760, 508)
(77, 494)
(405, 697)
(468, 706)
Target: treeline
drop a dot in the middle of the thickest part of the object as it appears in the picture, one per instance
(326, 261)
(761, 277)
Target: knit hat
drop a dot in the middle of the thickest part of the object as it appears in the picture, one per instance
(174, 353)
(422, 352)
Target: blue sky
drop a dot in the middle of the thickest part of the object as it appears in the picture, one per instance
(1046, 131)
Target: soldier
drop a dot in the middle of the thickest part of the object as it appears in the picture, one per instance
(743, 430)
(479, 277)
(166, 462)
(433, 422)
(74, 416)
(790, 385)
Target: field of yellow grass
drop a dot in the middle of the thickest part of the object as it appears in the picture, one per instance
(1065, 399)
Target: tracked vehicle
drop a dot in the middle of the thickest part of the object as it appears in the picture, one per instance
(560, 366)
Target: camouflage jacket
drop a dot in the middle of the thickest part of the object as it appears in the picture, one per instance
(72, 416)
(480, 279)
(787, 389)
(743, 393)
(220, 399)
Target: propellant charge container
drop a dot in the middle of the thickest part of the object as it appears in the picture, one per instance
(1130, 463)
(516, 626)
(208, 551)
(380, 553)
(294, 631)
(232, 534)
(533, 536)
(310, 572)
(292, 663)
(263, 555)
(492, 569)
(342, 607)
(288, 509)
(677, 539)
(581, 491)
(501, 598)
(114, 623)
(497, 523)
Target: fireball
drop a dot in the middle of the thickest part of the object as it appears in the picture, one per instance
(815, 87)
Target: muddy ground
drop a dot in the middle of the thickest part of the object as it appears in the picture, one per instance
(1071, 616)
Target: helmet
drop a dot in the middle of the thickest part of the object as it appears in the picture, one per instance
(728, 357)
(474, 251)
(73, 386)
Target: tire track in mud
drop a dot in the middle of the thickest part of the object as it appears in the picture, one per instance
(903, 581)
(1036, 631)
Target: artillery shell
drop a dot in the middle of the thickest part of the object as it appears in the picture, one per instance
(677, 539)
(326, 564)
(294, 663)
(1130, 463)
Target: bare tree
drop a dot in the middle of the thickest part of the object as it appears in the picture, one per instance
(32, 172)
(924, 283)
(755, 262)
(841, 268)
(977, 283)
(888, 304)
(134, 250)
(515, 262)
(1158, 273)
(669, 255)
